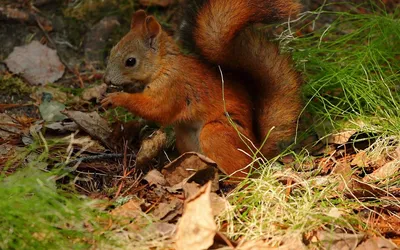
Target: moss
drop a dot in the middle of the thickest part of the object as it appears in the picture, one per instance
(10, 85)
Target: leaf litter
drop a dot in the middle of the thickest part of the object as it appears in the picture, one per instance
(187, 189)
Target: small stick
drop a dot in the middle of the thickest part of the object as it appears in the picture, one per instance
(97, 157)
(54, 45)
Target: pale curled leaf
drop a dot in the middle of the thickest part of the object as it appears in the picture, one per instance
(197, 228)
(95, 92)
(151, 147)
(93, 124)
(341, 137)
(37, 63)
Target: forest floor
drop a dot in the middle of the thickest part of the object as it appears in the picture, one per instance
(77, 176)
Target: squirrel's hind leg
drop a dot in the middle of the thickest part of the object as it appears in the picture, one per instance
(221, 143)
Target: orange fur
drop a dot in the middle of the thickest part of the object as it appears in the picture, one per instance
(187, 93)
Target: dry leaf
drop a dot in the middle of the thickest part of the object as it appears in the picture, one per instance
(386, 171)
(169, 210)
(360, 160)
(37, 63)
(154, 177)
(341, 137)
(387, 224)
(93, 124)
(160, 229)
(377, 243)
(187, 165)
(218, 204)
(345, 172)
(8, 127)
(339, 241)
(129, 212)
(292, 243)
(197, 228)
(150, 148)
(62, 127)
(335, 213)
(95, 92)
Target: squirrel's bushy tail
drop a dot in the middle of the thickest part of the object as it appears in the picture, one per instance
(219, 31)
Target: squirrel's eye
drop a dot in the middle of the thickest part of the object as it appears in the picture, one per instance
(130, 62)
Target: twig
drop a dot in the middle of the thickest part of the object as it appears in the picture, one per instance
(54, 45)
(125, 167)
(98, 157)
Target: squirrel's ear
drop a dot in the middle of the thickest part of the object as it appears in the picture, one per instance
(138, 19)
(153, 31)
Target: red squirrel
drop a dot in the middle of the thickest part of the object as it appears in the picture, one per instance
(261, 90)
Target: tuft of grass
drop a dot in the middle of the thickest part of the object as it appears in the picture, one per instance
(270, 208)
(352, 77)
(351, 69)
(38, 215)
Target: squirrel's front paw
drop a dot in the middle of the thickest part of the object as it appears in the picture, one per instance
(114, 100)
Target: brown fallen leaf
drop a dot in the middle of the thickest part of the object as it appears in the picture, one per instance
(292, 243)
(196, 229)
(154, 177)
(360, 160)
(150, 148)
(95, 92)
(93, 124)
(191, 166)
(167, 211)
(339, 241)
(345, 172)
(159, 229)
(37, 63)
(387, 224)
(8, 127)
(341, 137)
(62, 127)
(377, 243)
(218, 203)
(384, 172)
(129, 214)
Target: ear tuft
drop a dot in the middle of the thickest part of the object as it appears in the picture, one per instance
(153, 29)
(138, 19)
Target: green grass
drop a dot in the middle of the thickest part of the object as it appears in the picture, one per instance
(351, 70)
(352, 77)
(38, 215)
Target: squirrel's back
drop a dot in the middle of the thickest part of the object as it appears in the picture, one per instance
(220, 31)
